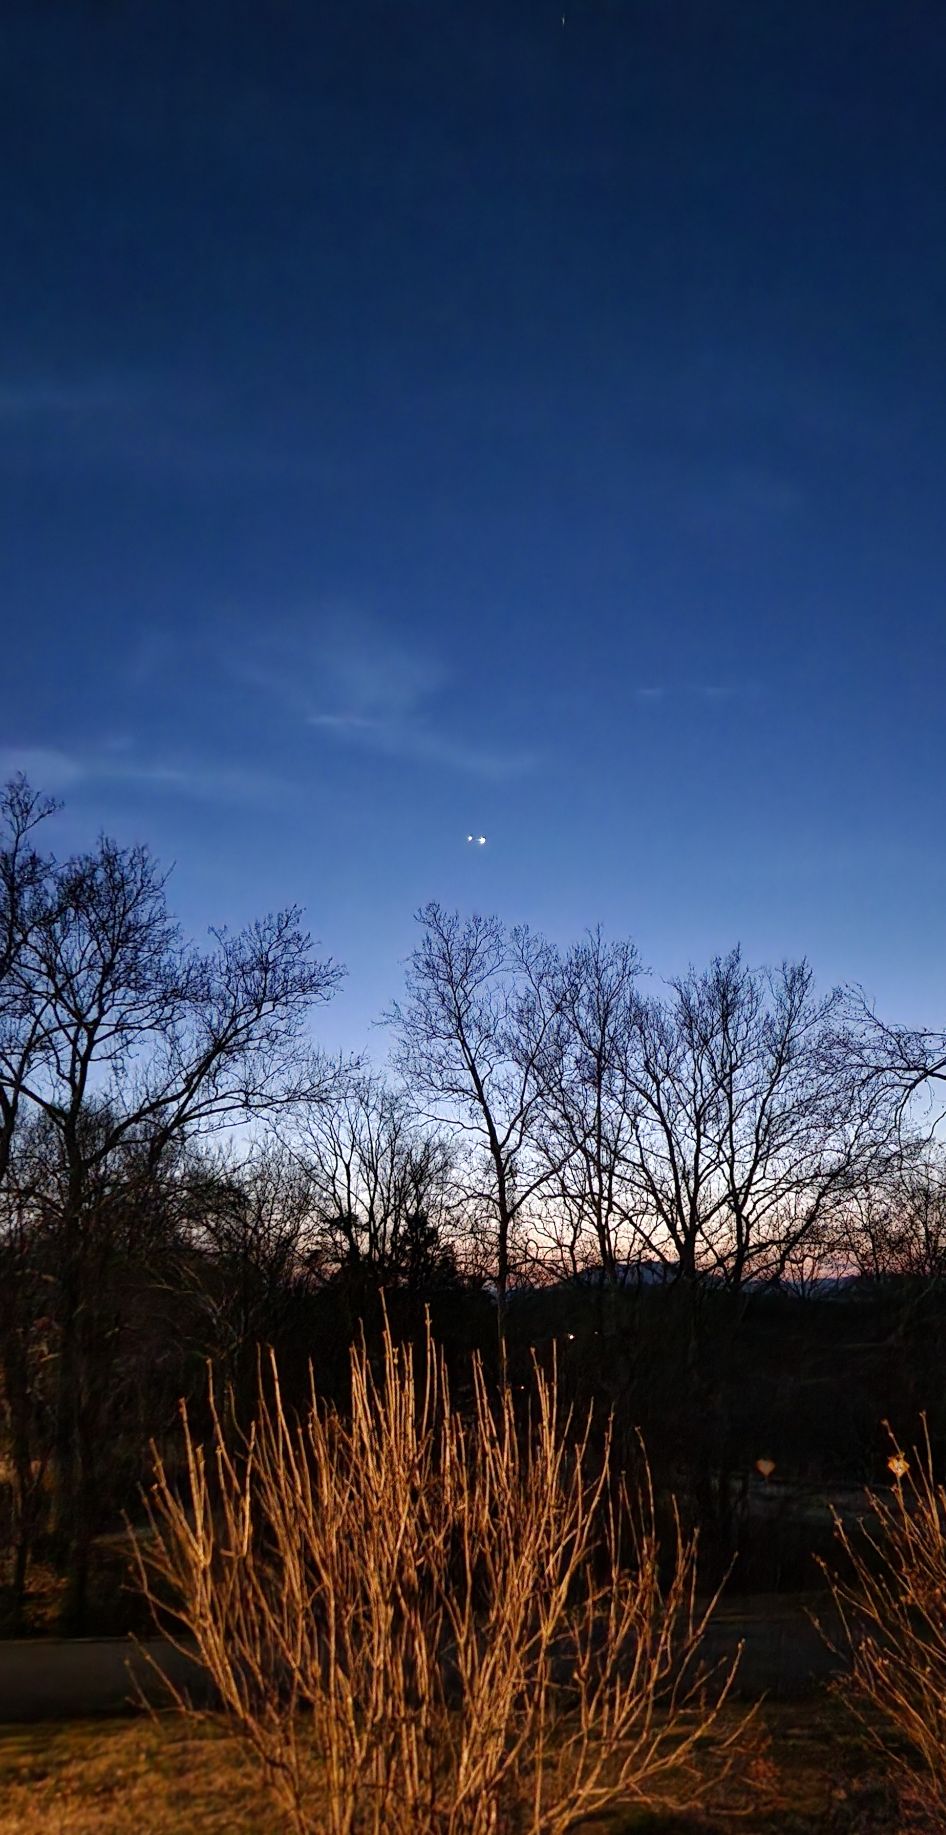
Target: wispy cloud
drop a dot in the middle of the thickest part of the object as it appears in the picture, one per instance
(416, 743)
(709, 692)
(57, 772)
(724, 691)
(344, 723)
(378, 693)
(47, 768)
(165, 424)
(46, 398)
(371, 674)
(739, 499)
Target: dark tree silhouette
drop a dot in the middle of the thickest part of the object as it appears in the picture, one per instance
(126, 1041)
(479, 1041)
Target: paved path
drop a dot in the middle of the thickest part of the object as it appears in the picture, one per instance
(783, 1654)
(65, 1678)
(59, 1678)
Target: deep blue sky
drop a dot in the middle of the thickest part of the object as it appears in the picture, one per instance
(420, 416)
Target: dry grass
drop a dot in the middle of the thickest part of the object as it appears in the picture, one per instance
(140, 1777)
(422, 1622)
(116, 1777)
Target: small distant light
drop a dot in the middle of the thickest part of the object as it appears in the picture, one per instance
(470, 837)
(481, 839)
(765, 1466)
(570, 1336)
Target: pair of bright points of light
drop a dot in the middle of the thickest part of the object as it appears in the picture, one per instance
(479, 840)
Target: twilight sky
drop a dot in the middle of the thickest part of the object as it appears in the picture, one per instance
(419, 416)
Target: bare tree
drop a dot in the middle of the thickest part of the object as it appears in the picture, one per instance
(383, 1193)
(249, 1215)
(24, 1385)
(921, 1213)
(895, 1224)
(745, 1136)
(479, 1042)
(24, 895)
(588, 1116)
(866, 1232)
(893, 1064)
(138, 1041)
(124, 1238)
(25, 876)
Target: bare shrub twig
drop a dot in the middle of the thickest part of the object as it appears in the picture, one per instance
(891, 1598)
(425, 1622)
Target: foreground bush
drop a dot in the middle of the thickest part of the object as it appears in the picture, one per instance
(427, 1620)
(891, 1596)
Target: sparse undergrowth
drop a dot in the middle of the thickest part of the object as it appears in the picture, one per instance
(890, 1592)
(808, 1771)
(425, 1620)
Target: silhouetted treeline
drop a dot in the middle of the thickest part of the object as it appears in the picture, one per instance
(564, 1153)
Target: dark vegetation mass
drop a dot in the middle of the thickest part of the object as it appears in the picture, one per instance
(717, 1206)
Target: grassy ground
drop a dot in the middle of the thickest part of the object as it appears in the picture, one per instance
(808, 1771)
(111, 1777)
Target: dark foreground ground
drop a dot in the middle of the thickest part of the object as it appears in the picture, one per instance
(73, 1761)
(805, 1769)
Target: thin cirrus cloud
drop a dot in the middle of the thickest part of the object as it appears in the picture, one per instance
(57, 772)
(416, 743)
(49, 399)
(709, 692)
(153, 423)
(377, 694)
